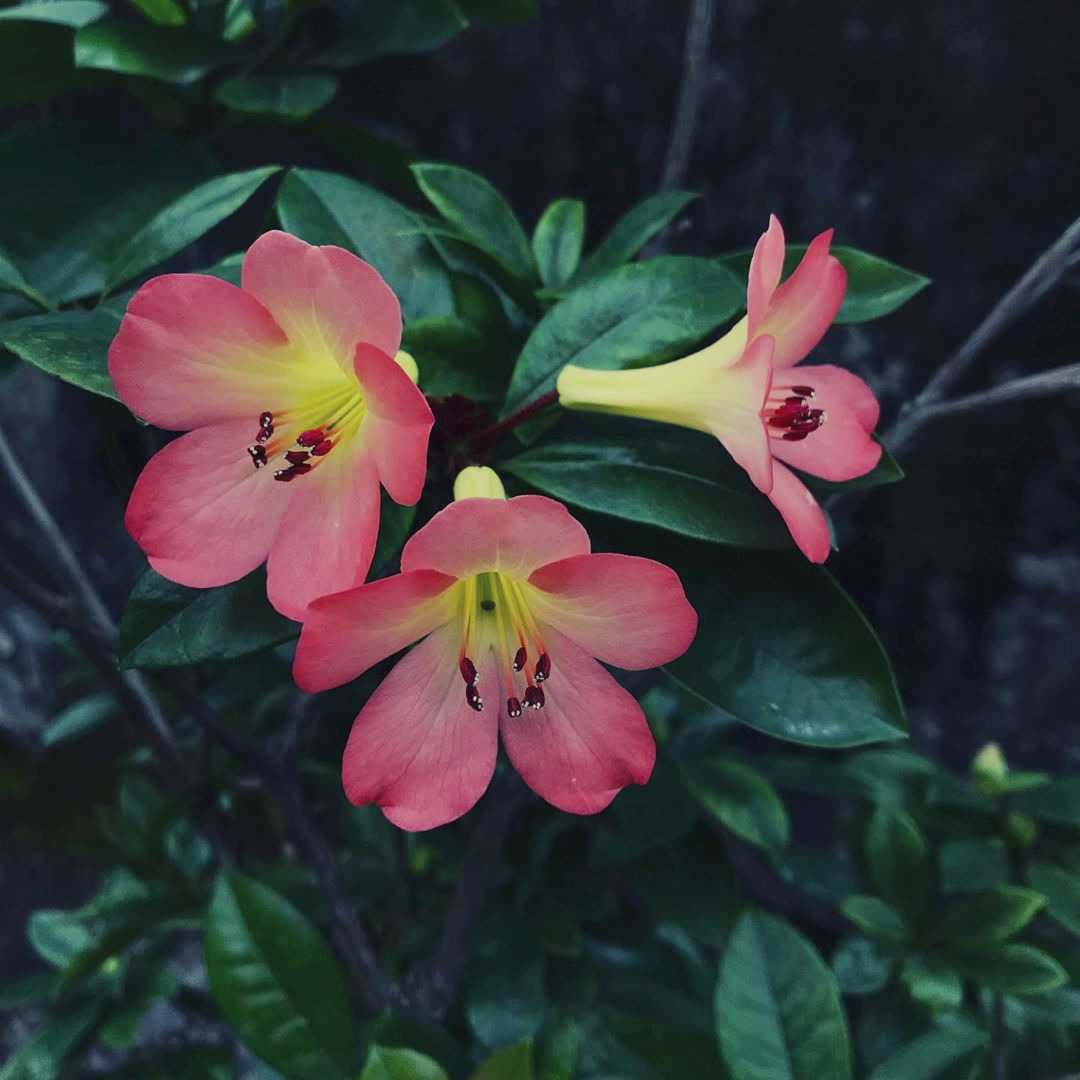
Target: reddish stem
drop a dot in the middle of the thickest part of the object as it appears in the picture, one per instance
(489, 435)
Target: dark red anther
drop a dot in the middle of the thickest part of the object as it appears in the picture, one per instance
(322, 448)
(520, 657)
(291, 473)
(296, 457)
(795, 436)
(258, 456)
(804, 391)
(266, 426)
(266, 419)
(472, 696)
(513, 708)
(265, 433)
(534, 697)
(784, 419)
(794, 400)
(468, 671)
(543, 670)
(311, 437)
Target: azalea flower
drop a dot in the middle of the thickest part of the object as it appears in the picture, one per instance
(297, 405)
(512, 607)
(745, 389)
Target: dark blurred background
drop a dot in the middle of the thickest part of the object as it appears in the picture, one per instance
(942, 137)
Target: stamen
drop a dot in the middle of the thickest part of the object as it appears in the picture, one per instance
(296, 457)
(468, 671)
(258, 455)
(543, 668)
(472, 696)
(520, 658)
(322, 448)
(534, 697)
(803, 391)
(266, 426)
(311, 437)
(291, 473)
(513, 708)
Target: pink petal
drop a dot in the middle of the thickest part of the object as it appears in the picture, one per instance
(195, 350)
(841, 448)
(766, 266)
(801, 513)
(588, 741)
(327, 537)
(397, 425)
(624, 610)
(804, 306)
(326, 299)
(515, 536)
(736, 419)
(346, 633)
(417, 749)
(200, 510)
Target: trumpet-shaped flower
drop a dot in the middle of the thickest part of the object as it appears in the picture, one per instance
(512, 608)
(745, 389)
(297, 404)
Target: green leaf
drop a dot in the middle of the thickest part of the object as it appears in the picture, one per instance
(72, 13)
(180, 223)
(290, 96)
(741, 799)
(391, 27)
(875, 287)
(1057, 802)
(968, 864)
(557, 241)
(505, 1003)
(454, 357)
(324, 208)
(1061, 889)
(42, 1056)
(167, 54)
(35, 64)
(78, 718)
(58, 936)
(897, 858)
(1011, 969)
(513, 1063)
(503, 10)
(677, 480)
(778, 1011)
(277, 982)
(72, 345)
(12, 280)
(932, 985)
(817, 676)
(386, 1064)
(875, 917)
(169, 625)
(644, 313)
(632, 232)
(162, 12)
(860, 967)
(989, 916)
(929, 1055)
(479, 214)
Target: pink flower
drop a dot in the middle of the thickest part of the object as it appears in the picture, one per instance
(512, 608)
(744, 389)
(295, 407)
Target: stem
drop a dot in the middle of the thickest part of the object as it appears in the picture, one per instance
(487, 437)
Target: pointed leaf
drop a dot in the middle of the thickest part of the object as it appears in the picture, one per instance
(876, 918)
(740, 799)
(72, 13)
(513, 1063)
(292, 97)
(1061, 888)
(929, 1055)
(1011, 969)
(989, 916)
(897, 858)
(165, 53)
(392, 27)
(557, 241)
(931, 984)
(11, 279)
(384, 1063)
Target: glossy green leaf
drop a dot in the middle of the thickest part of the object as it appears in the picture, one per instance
(860, 966)
(873, 916)
(392, 27)
(384, 1063)
(557, 241)
(78, 718)
(277, 982)
(72, 345)
(505, 1003)
(58, 936)
(897, 858)
(818, 676)
(164, 53)
(170, 625)
(513, 1063)
(1061, 888)
(325, 208)
(926, 1057)
(454, 357)
(875, 286)
(968, 864)
(290, 96)
(35, 62)
(989, 916)
(740, 799)
(644, 313)
(12, 279)
(180, 223)
(778, 1013)
(632, 232)
(71, 13)
(678, 480)
(1011, 969)
(479, 214)
(42, 1056)
(1057, 802)
(162, 12)
(932, 985)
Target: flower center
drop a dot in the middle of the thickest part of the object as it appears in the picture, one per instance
(787, 414)
(300, 438)
(495, 615)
